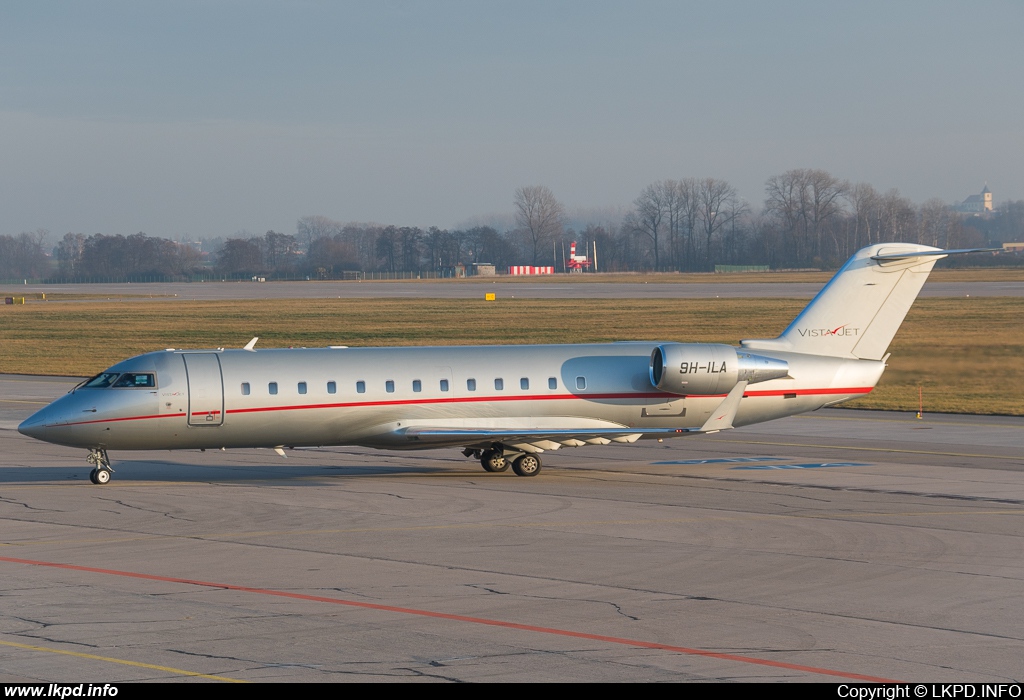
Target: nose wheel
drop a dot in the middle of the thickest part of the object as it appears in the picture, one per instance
(99, 476)
(103, 471)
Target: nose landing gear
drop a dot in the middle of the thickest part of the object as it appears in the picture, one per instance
(102, 472)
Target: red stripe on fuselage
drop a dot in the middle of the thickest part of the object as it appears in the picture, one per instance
(488, 399)
(117, 420)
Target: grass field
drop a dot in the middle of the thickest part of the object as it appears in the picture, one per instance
(965, 353)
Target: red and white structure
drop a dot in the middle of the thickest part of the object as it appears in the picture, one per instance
(576, 263)
(531, 270)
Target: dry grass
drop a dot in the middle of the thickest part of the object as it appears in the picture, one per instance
(966, 353)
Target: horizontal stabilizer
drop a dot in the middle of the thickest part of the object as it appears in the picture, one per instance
(932, 253)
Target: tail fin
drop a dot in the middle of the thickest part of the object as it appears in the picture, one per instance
(859, 311)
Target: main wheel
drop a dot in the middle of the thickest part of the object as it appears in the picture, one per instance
(526, 465)
(102, 476)
(493, 461)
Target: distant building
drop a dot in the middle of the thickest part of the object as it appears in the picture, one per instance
(977, 204)
(483, 270)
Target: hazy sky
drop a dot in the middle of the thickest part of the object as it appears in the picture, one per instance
(204, 118)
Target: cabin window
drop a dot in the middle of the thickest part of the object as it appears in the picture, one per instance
(470, 385)
(389, 386)
(581, 383)
(101, 381)
(135, 381)
(272, 388)
(499, 384)
(444, 385)
(417, 385)
(552, 383)
(302, 387)
(360, 387)
(332, 387)
(245, 388)
(524, 384)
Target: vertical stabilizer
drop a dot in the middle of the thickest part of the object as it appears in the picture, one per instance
(859, 311)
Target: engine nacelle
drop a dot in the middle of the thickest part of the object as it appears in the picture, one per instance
(704, 368)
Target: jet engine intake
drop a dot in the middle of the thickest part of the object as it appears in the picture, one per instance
(705, 368)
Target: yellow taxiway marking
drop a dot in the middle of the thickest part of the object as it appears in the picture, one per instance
(866, 449)
(38, 403)
(123, 662)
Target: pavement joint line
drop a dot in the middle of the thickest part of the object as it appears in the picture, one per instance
(459, 618)
(229, 536)
(124, 662)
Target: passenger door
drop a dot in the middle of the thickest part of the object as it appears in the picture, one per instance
(205, 389)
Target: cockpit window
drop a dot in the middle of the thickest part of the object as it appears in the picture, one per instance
(101, 381)
(135, 380)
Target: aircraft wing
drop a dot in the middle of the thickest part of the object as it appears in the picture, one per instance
(539, 439)
(535, 440)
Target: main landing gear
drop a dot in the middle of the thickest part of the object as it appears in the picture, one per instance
(102, 472)
(495, 459)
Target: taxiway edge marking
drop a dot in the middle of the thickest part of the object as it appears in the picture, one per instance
(124, 662)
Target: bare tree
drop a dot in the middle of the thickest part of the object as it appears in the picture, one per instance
(540, 215)
(935, 220)
(279, 250)
(646, 217)
(241, 257)
(716, 203)
(1009, 224)
(69, 254)
(898, 216)
(679, 211)
(311, 228)
(866, 207)
(389, 248)
(22, 255)
(805, 203)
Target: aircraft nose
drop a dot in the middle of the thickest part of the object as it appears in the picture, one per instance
(35, 425)
(40, 423)
(49, 424)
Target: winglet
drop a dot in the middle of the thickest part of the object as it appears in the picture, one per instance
(722, 417)
(251, 345)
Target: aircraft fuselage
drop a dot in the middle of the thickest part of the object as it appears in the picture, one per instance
(374, 396)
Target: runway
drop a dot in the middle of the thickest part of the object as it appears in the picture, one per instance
(476, 288)
(841, 545)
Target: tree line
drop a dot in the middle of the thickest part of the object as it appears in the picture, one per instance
(809, 218)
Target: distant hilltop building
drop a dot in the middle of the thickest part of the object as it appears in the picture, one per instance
(977, 203)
